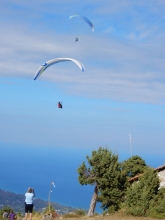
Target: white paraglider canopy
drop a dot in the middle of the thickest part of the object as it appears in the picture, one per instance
(54, 61)
(85, 19)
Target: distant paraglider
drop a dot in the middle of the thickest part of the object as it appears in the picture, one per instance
(84, 19)
(54, 61)
(60, 105)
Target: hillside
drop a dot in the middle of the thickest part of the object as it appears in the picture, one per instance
(16, 201)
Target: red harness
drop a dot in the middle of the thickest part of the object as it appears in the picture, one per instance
(59, 105)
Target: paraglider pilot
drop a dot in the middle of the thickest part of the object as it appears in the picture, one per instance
(59, 105)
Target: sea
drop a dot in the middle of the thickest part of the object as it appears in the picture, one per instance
(28, 166)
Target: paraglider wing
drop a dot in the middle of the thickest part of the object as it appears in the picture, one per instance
(54, 61)
(85, 19)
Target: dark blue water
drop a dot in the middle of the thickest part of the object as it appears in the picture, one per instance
(24, 166)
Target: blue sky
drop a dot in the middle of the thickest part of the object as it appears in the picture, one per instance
(121, 91)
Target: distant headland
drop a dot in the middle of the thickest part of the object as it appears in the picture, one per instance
(16, 202)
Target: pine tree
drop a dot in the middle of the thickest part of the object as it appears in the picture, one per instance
(157, 205)
(104, 172)
(140, 193)
(133, 166)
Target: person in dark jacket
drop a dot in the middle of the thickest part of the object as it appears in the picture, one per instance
(59, 105)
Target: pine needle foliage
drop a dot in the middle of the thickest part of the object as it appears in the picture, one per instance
(157, 205)
(104, 171)
(133, 166)
(140, 193)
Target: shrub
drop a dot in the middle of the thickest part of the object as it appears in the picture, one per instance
(112, 209)
(157, 205)
(49, 209)
(140, 193)
(80, 212)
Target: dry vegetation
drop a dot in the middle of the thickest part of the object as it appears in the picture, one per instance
(117, 216)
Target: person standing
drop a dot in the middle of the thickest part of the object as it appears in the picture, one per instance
(5, 215)
(12, 215)
(29, 195)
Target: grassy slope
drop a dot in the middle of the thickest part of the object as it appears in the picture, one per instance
(118, 216)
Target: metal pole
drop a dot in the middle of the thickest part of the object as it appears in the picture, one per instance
(49, 198)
